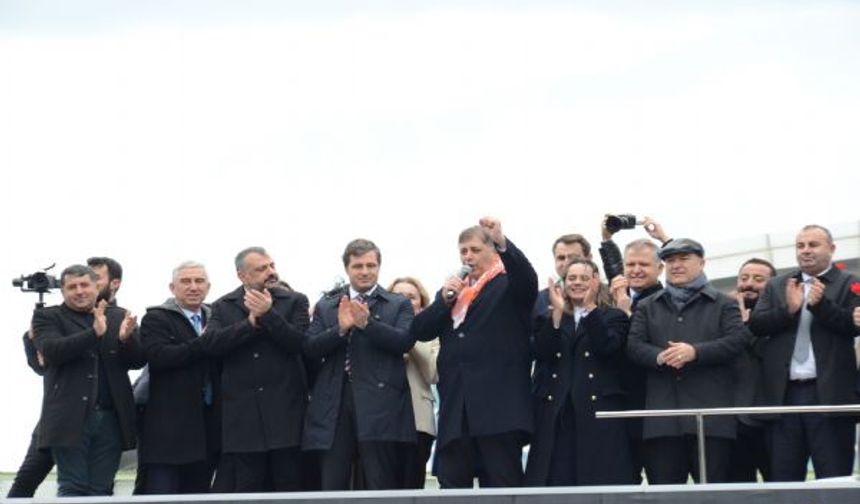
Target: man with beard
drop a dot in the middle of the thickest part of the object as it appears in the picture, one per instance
(805, 320)
(749, 453)
(109, 280)
(109, 277)
(38, 462)
(257, 330)
(88, 409)
(361, 412)
(687, 337)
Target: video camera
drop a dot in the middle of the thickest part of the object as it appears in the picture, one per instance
(40, 282)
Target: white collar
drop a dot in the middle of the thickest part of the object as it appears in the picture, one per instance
(807, 278)
(354, 293)
(189, 313)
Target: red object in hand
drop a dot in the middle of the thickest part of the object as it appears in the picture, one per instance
(855, 288)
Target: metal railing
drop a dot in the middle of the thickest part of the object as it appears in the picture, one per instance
(701, 413)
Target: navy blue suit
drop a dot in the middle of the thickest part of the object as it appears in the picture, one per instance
(484, 366)
(371, 404)
(584, 366)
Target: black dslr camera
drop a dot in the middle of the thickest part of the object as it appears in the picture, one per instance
(40, 282)
(615, 223)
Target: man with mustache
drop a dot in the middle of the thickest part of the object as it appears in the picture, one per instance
(749, 453)
(257, 330)
(686, 337)
(88, 411)
(109, 273)
(38, 462)
(805, 319)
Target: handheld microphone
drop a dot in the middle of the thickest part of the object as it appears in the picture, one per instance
(461, 274)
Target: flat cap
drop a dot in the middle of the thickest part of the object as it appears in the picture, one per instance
(682, 246)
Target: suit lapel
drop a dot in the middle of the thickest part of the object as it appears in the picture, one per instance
(483, 295)
(831, 275)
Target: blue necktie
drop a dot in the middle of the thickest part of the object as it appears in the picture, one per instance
(197, 322)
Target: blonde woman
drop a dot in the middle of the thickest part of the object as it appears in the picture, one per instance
(421, 373)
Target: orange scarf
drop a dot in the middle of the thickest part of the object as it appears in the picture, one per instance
(470, 292)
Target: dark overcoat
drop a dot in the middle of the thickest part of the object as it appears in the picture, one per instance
(583, 365)
(748, 382)
(32, 356)
(485, 365)
(176, 427)
(263, 380)
(711, 322)
(832, 334)
(383, 404)
(72, 352)
(633, 376)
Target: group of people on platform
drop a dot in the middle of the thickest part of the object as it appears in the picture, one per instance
(256, 392)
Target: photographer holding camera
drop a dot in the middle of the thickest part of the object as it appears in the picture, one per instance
(632, 279)
(38, 461)
(636, 275)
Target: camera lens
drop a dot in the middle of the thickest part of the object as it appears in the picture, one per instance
(615, 223)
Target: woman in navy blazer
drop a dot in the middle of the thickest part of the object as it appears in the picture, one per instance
(582, 346)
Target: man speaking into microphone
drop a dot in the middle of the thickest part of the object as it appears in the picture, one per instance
(483, 323)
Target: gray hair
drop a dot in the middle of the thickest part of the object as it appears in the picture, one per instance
(642, 244)
(240, 257)
(187, 265)
(476, 232)
(77, 270)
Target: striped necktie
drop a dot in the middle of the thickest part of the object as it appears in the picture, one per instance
(347, 364)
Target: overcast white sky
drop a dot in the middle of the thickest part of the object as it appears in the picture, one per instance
(156, 132)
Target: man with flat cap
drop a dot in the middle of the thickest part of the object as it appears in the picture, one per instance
(687, 337)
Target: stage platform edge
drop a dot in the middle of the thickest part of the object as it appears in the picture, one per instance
(814, 492)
